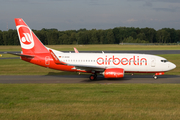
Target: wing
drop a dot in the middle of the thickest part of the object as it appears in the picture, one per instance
(56, 60)
(88, 67)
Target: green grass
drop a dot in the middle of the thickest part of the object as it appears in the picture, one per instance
(86, 101)
(7, 55)
(19, 67)
(89, 101)
(114, 47)
(100, 47)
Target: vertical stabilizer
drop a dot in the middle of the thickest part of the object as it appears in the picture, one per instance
(30, 44)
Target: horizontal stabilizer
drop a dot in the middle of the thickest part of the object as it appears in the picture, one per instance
(19, 54)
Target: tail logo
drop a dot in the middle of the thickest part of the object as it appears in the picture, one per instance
(25, 36)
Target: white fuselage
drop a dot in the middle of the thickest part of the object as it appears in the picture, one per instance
(129, 62)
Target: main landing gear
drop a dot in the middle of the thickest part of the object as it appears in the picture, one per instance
(93, 77)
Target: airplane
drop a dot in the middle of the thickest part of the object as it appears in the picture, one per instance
(110, 65)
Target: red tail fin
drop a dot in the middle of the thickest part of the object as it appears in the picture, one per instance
(30, 44)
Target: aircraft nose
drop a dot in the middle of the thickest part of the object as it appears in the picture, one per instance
(172, 66)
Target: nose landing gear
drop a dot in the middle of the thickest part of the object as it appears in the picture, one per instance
(155, 77)
(156, 74)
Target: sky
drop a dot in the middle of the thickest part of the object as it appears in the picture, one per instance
(90, 14)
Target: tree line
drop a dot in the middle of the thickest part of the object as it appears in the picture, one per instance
(110, 36)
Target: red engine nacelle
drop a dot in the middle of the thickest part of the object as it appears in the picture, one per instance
(114, 73)
(161, 73)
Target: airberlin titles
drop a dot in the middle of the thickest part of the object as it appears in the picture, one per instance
(135, 60)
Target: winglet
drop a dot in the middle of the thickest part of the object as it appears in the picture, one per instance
(76, 51)
(56, 60)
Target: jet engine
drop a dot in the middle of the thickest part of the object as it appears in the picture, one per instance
(114, 73)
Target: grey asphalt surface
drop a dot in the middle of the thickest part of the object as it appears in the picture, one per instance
(23, 79)
(70, 79)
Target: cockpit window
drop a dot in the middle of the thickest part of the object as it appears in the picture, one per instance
(164, 61)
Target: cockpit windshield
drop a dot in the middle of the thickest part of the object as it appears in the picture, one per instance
(164, 61)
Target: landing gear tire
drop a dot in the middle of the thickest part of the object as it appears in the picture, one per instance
(155, 77)
(92, 77)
